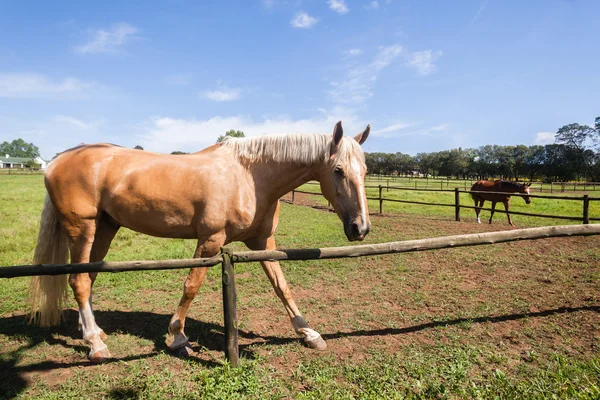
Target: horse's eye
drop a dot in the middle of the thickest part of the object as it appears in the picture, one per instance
(339, 172)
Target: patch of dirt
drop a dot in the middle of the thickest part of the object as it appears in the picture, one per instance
(516, 299)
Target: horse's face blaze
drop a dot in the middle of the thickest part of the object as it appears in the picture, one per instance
(342, 183)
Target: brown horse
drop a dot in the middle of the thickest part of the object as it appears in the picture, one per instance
(227, 192)
(496, 190)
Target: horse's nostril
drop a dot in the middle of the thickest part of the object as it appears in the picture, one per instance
(355, 229)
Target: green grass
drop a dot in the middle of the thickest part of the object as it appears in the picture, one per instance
(443, 183)
(567, 208)
(511, 321)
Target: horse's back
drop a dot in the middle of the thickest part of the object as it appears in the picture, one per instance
(487, 186)
(157, 194)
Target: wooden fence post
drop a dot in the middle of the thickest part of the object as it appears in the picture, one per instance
(229, 308)
(380, 201)
(457, 204)
(293, 193)
(586, 209)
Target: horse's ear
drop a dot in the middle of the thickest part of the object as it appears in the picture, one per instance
(361, 137)
(528, 184)
(338, 133)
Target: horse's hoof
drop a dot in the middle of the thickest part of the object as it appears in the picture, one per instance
(318, 343)
(99, 356)
(183, 351)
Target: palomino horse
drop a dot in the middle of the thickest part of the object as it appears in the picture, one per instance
(495, 189)
(227, 192)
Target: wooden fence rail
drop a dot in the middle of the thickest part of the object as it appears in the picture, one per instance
(444, 181)
(227, 259)
(585, 199)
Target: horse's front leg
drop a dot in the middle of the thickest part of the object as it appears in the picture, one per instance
(493, 210)
(177, 341)
(506, 207)
(273, 270)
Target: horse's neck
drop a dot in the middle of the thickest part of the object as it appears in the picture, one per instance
(273, 179)
(509, 188)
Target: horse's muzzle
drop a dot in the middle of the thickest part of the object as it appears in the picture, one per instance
(357, 232)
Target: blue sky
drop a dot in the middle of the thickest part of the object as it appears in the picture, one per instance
(427, 75)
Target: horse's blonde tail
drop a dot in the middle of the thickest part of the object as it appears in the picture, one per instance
(47, 293)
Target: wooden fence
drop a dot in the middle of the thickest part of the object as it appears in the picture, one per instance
(20, 171)
(441, 182)
(227, 259)
(585, 199)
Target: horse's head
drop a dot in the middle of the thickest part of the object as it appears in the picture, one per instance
(524, 188)
(342, 180)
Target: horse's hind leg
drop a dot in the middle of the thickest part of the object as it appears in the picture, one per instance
(105, 233)
(478, 205)
(177, 340)
(81, 236)
(273, 270)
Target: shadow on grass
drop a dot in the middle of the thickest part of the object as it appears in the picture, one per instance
(152, 326)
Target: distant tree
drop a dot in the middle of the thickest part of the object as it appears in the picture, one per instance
(32, 164)
(579, 137)
(534, 161)
(19, 148)
(138, 147)
(179, 152)
(520, 153)
(231, 133)
(404, 163)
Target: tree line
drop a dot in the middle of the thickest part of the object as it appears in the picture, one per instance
(575, 155)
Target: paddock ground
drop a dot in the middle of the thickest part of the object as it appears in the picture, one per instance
(515, 320)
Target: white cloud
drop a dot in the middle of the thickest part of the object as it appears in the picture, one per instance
(374, 5)
(178, 80)
(338, 6)
(385, 56)
(303, 20)
(422, 61)
(401, 129)
(481, 7)
(29, 85)
(543, 138)
(392, 128)
(439, 127)
(56, 133)
(353, 52)
(269, 4)
(167, 134)
(108, 41)
(355, 86)
(222, 94)
(72, 121)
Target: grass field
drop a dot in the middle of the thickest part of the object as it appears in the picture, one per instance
(593, 188)
(517, 320)
(567, 208)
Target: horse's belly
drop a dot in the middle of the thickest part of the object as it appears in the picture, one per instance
(156, 218)
(164, 227)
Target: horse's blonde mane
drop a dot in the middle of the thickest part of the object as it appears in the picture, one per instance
(299, 148)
